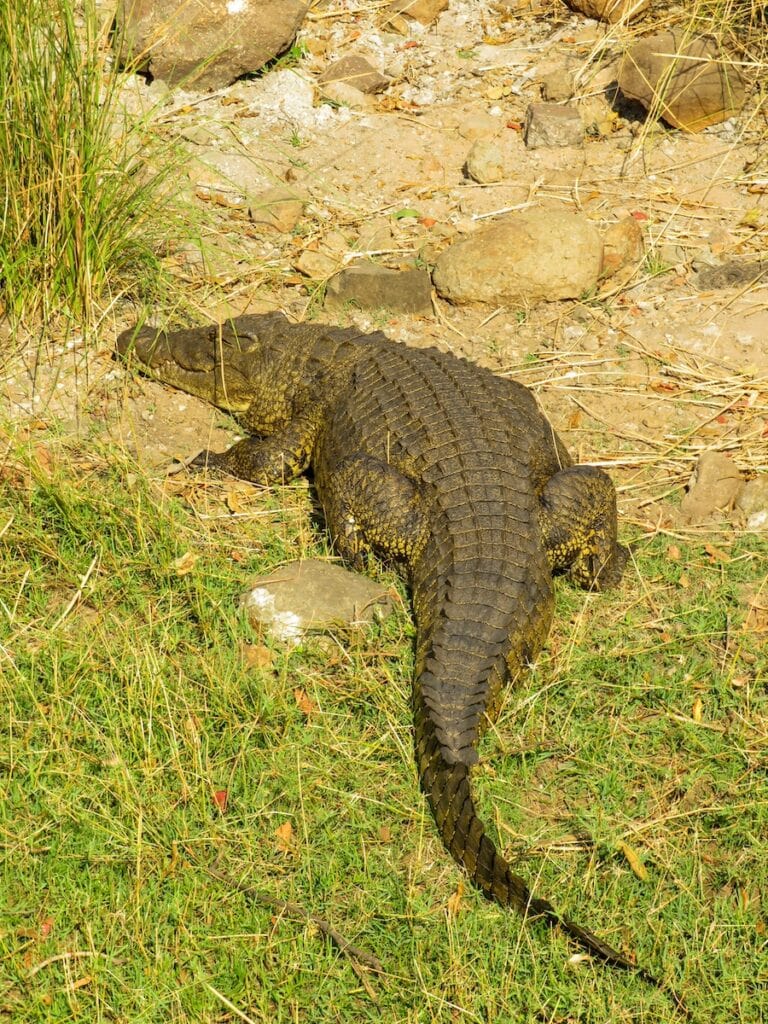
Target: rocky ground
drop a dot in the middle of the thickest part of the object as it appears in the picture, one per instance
(660, 361)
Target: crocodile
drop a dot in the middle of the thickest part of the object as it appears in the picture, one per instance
(451, 471)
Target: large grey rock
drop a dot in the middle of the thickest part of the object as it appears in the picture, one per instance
(312, 595)
(524, 257)
(205, 45)
(688, 83)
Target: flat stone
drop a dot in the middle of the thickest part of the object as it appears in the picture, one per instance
(316, 265)
(369, 286)
(521, 258)
(312, 595)
(346, 95)
(549, 124)
(732, 274)
(356, 71)
(278, 208)
(206, 46)
(688, 83)
(609, 10)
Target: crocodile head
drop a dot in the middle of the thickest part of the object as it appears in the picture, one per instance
(218, 364)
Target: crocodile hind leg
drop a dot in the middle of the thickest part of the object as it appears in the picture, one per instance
(577, 515)
(269, 460)
(369, 504)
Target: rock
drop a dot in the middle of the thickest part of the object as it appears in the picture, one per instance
(557, 85)
(733, 274)
(423, 11)
(278, 208)
(479, 125)
(346, 96)
(623, 245)
(753, 503)
(714, 487)
(485, 162)
(312, 595)
(370, 286)
(549, 124)
(524, 257)
(356, 71)
(609, 10)
(692, 89)
(316, 265)
(206, 46)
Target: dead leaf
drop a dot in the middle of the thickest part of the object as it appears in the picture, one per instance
(683, 581)
(633, 859)
(673, 553)
(665, 386)
(221, 799)
(715, 554)
(697, 709)
(185, 563)
(304, 703)
(385, 834)
(284, 837)
(256, 655)
(233, 500)
(743, 897)
(455, 900)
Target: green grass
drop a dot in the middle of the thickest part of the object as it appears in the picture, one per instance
(86, 207)
(128, 704)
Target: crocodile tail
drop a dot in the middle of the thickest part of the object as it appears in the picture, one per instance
(447, 788)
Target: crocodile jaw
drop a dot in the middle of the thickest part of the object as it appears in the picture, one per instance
(206, 364)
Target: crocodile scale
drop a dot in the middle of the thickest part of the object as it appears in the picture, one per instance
(456, 473)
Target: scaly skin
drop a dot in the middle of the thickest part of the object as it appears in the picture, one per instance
(453, 471)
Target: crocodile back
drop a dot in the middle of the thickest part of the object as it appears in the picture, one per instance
(482, 587)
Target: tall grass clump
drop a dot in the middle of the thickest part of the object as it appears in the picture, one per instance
(81, 215)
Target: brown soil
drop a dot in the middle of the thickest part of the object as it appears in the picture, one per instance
(641, 377)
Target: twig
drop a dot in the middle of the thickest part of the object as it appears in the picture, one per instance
(354, 954)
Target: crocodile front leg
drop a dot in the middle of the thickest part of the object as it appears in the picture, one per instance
(272, 460)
